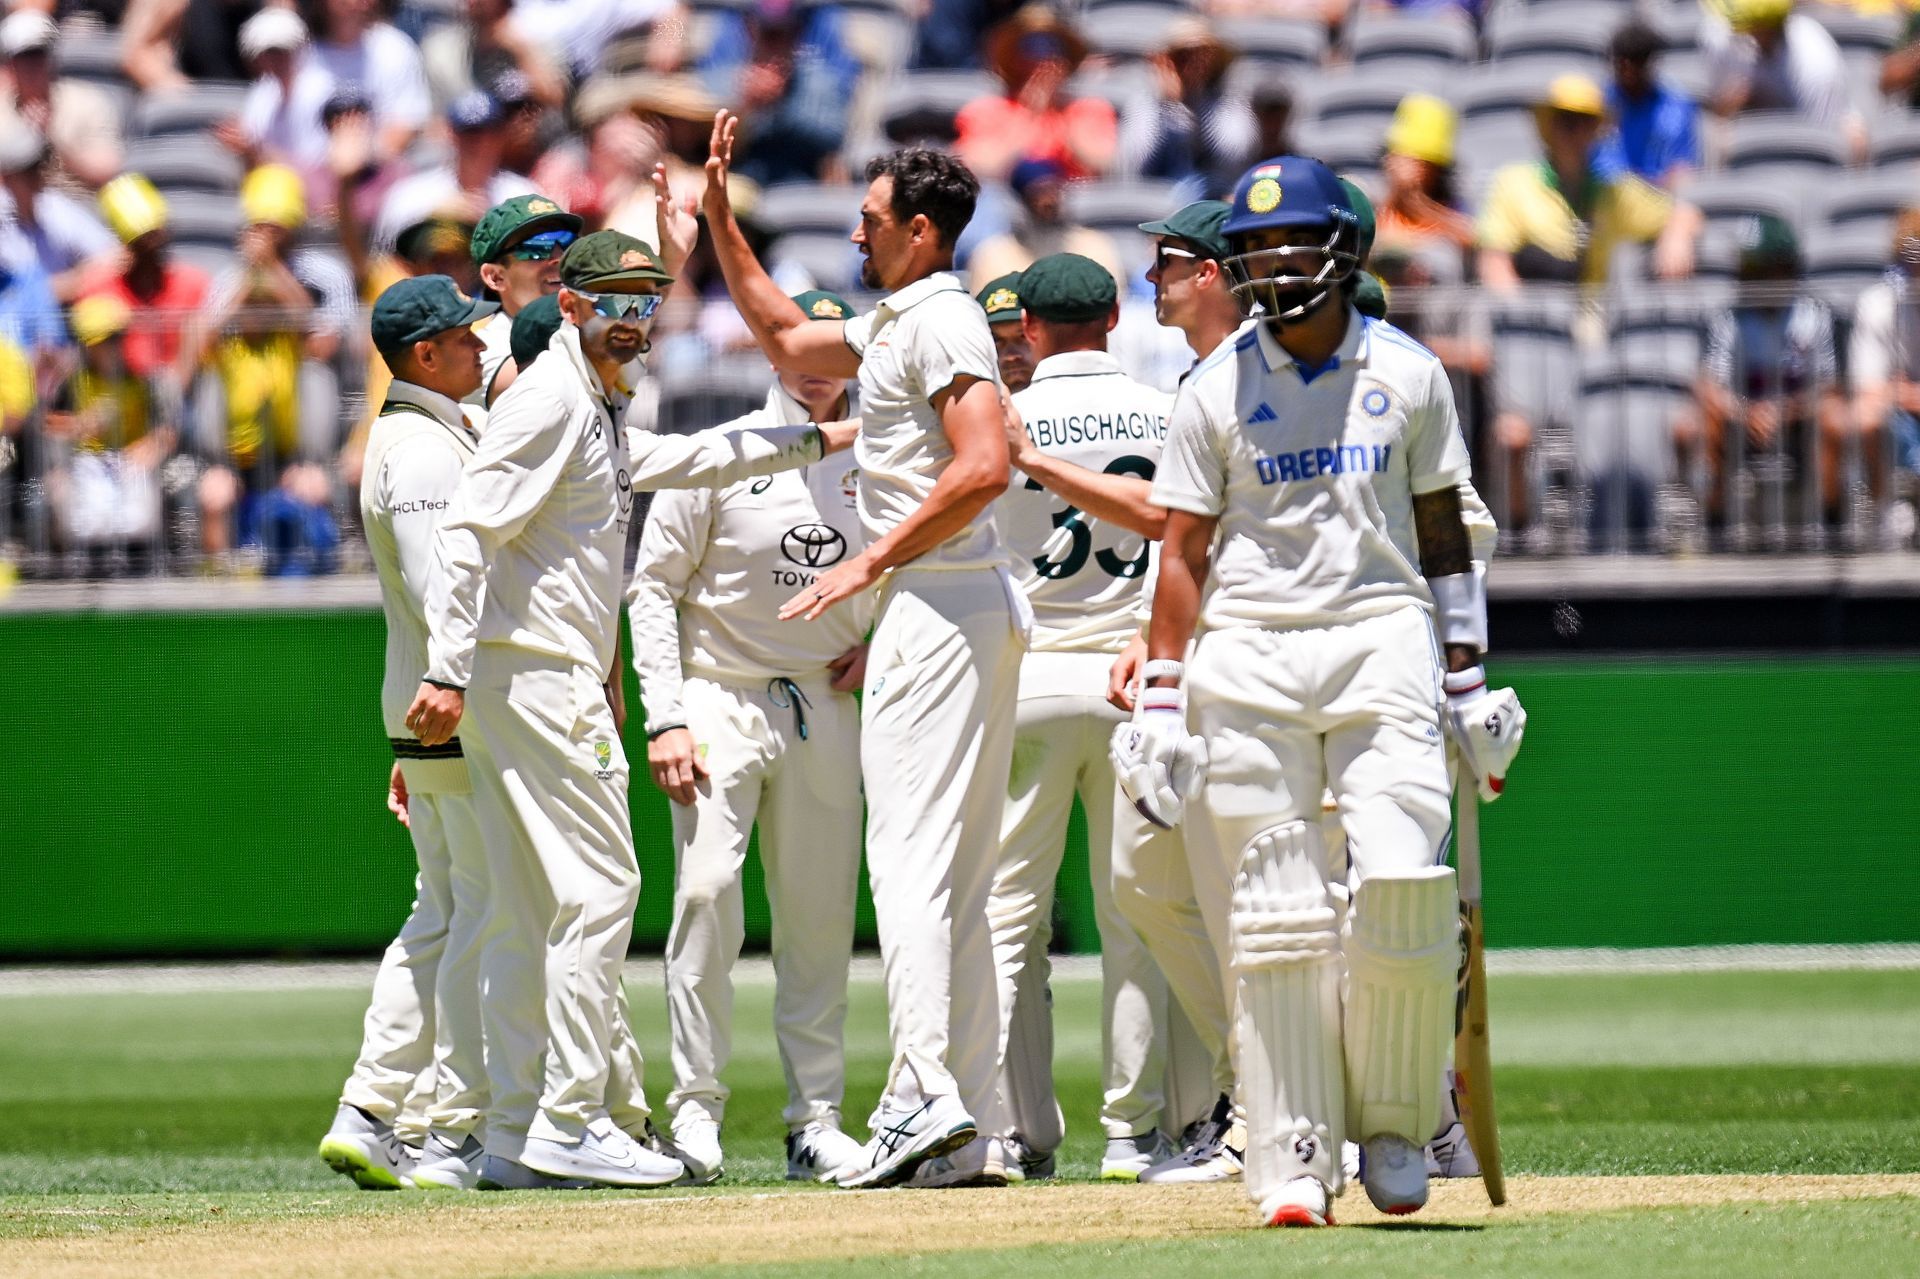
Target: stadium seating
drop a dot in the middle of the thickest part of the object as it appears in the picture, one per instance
(189, 162)
(1775, 140)
(192, 110)
(1396, 39)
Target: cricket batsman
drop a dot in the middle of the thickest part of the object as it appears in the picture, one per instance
(752, 721)
(539, 527)
(1336, 638)
(517, 245)
(424, 1020)
(1080, 518)
(937, 718)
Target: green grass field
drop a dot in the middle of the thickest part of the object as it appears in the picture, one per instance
(142, 1129)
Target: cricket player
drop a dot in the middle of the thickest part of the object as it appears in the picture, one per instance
(937, 719)
(1000, 299)
(424, 1020)
(517, 246)
(1091, 438)
(540, 522)
(1323, 452)
(752, 721)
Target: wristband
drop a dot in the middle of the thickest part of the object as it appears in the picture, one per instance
(1162, 668)
(1460, 683)
(1460, 604)
(1163, 699)
(663, 729)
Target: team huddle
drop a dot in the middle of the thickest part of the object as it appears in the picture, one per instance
(1242, 625)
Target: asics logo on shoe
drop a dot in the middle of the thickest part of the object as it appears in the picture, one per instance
(893, 1136)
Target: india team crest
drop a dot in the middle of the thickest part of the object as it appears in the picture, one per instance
(1263, 196)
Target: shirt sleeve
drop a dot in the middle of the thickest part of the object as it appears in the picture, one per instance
(1500, 227)
(1870, 350)
(526, 446)
(719, 456)
(418, 478)
(857, 331)
(673, 542)
(1437, 455)
(403, 97)
(1192, 475)
(951, 340)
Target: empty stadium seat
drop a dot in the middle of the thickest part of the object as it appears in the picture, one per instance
(1275, 41)
(1874, 197)
(91, 54)
(1395, 38)
(808, 207)
(1121, 206)
(198, 107)
(1130, 30)
(718, 392)
(1871, 34)
(1497, 88)
(831, 260)
(1579, 30)
(1351, 149)
(1781, 140)
(1727, 198)
(203, 217)
(188, 162)
(1351, 98)
(1894, 139)
(920, 106)
(1841, 261)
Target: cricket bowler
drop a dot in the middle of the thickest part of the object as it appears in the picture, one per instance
(423, 1023)
(937, 718)
(1336, 637)
(522, 601)
(751, 721)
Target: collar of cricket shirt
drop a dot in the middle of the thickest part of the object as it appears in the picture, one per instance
(1076, 364)
(566, 339)
(919, 291)
(445, 411)
(1353, 348)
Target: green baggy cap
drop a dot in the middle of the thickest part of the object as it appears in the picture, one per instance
(1363, 210)
(533, 329)
(1001, 299)
(1068, 288)
(1198, 224)
(504, 223)
(415, 309)
(609, 257)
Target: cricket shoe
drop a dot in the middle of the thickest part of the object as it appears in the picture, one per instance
(696, 1144)
(604, 1155)
(1303, 1201)
(981, 1162)
(1026, 1162)
(1127, 1157)
(903, 1139)
(1395, 1174)
(1451, 1155)
(367, 1150)
(1215, 1152)
(499, 1173)
(820, 1151)
(448, 1162)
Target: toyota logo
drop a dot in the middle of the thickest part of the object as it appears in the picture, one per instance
(813, 545)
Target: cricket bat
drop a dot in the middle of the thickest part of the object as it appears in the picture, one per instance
(1472, 1053)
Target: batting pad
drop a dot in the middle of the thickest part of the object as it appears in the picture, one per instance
(1403, 952)
(1286, 954)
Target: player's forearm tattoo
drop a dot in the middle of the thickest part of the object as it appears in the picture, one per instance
(1445, 545)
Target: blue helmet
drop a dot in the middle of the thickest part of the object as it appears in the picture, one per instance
(1291, 193)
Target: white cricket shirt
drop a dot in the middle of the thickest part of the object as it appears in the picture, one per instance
(716, 565)
(496, 333)
(912, 346)
(1312, 473)
(1086, 593)
(416, 450)
(542, 511)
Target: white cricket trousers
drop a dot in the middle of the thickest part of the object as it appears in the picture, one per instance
(804, 793)
(550, 789)
(936, 743)
(422, 1033)
(1064, 724)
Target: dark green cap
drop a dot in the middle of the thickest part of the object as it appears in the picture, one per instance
(1198, 224)
(418, 308)
(1369, 295)
(822, 305)
(1068, 288)
(1001, 299)
(505, 222)
(609, 257)
(1362, 209)
(534, 328)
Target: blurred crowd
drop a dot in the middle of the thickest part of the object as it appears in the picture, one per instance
(1664, 247)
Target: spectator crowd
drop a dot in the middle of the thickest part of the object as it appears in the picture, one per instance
(1665, 248)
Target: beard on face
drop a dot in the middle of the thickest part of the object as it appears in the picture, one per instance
(869, 273)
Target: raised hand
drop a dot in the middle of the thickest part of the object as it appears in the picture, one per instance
(720, 163)
(677, 222)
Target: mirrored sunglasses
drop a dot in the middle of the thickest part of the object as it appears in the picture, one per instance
(624, 306)
(541, 248)
(1166, 254)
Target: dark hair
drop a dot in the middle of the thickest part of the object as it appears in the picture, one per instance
(1635, 42)
(929, 182)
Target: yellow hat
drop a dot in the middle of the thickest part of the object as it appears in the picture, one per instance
(95, 319)
(1745, 15)
(273, 193)
(1576, 94)
(132, 207)
(1422, 129)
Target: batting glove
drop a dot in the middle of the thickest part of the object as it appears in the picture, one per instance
(1160, 765)
(1486, 726)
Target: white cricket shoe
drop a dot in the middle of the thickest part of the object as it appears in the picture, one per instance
(448, 1162)
(1128, 1157)
(1395, 1174)
(604, 1155)
(500, 1173)
(1025, 1162)
(1450, 1154)
(981, 1162)
(1350, 1165)
(903, 1139)
(367, 1150)
(820, 1151)
(696, 1144)
(1303, 1201)
(1215, 1152)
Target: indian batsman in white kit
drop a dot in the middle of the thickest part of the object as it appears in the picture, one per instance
(751, 721)
(541, 520)
(937, 726)
(1323, 450)
(1079, 517)
(423, 1024)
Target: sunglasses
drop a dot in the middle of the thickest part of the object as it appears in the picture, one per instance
(1166, 255)
(541, 248)
(618, 306)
